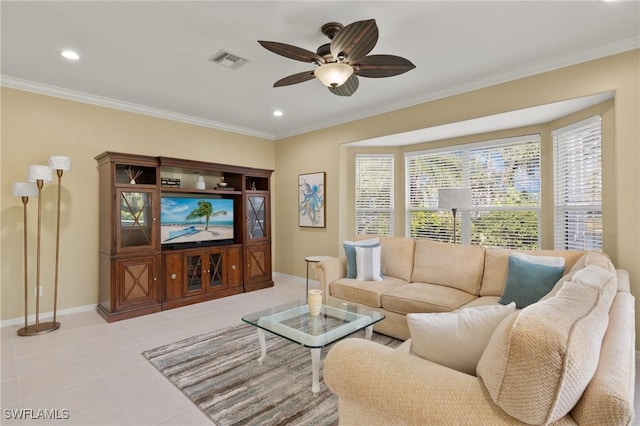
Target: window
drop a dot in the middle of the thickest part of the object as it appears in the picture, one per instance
(578, 185)
(374, 194)
(504, 177)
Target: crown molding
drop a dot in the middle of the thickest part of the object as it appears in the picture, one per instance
(73, 95)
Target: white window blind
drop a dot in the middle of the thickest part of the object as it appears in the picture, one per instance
(578, 185)
(504, 177)
(374, 194)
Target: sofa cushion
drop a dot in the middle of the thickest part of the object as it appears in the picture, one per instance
(528, 282)
(496, 263)
(456, 339)
(540, 359)
(397, 256)
(368, 263)
(350, 253)
(453, 265)
(421, 297)
(364, 292)
(589, 258)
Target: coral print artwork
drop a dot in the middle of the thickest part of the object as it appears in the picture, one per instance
(311, 211)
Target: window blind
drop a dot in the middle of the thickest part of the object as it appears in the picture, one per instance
(504, 177)
(578, 185)
(374, 194)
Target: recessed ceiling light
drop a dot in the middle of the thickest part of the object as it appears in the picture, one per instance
(70, 54)
(277, 113)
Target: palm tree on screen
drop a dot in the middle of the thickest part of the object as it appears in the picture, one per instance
(205, 209)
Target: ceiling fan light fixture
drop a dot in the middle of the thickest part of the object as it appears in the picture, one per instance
(333, 74)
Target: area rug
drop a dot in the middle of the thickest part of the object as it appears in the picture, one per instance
(219, 373)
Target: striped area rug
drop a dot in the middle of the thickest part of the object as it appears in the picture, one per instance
(219, 372)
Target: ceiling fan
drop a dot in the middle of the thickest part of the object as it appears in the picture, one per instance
(341, 61)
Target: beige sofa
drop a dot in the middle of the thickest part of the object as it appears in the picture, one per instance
(567, 359)
(423, 276)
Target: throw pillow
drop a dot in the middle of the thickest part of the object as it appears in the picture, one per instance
(540, 260)
(350, 253)
(368, 263)
(528, 282)
(456, 339)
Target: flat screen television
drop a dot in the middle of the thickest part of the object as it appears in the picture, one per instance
(195, 220)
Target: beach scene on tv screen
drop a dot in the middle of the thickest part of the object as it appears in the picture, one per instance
(186, 220)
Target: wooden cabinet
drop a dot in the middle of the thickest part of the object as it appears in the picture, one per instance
(139, 272)
(195, 275)
(128, 248)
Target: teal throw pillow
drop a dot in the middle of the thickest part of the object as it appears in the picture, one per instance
(528, 282)
(350, 253)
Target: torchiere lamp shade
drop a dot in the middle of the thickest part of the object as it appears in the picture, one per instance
(38, 172)
(24, 189)
(454, 198)
(60, 162)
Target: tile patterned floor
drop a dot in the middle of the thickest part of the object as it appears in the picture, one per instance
(95, 370)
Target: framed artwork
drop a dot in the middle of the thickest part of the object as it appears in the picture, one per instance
(311, 207)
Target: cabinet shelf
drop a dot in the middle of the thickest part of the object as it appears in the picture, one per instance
(170, 190)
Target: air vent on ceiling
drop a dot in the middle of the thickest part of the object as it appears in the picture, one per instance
(228, 60)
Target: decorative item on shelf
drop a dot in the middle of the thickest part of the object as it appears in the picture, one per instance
(133, 174)
(25, 190)
(200, 182)
(315, 302)
(253, 185)
(169, 182)
(454, 199)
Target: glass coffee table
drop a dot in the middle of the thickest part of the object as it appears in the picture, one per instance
(293, 322)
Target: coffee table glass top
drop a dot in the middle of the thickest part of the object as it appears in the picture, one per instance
(293, 322)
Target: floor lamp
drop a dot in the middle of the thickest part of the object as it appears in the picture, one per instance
(454, 199)
(25, 190)
(60, 164)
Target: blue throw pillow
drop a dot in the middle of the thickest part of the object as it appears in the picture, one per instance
(350, 252)
(528, 282)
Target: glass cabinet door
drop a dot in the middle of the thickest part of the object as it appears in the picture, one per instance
(215, 270)
(257, 217)
(194, 271)
(135, 220)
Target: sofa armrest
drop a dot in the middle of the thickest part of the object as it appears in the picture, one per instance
(330, 270)
(379, 385)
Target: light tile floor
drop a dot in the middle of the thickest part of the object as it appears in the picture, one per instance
(95, 370)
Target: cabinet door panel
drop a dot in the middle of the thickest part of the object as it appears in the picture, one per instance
(216, 269)
(137, 282)
(234, 267)
(258, 263)
(194, 271)
(172, 276)
(135, 225)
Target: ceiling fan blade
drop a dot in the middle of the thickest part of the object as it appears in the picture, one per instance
(348, 88)
(378, 66)
(355, 40)
(300, 77)
(292, 52)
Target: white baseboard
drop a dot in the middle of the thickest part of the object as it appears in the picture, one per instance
(49, 315)
(46, 315)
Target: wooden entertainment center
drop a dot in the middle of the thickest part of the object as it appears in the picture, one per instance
(139, 274)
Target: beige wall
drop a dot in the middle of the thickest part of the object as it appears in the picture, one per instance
(35, 127)
(323, 150)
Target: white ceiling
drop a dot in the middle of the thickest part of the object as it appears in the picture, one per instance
(153, 57)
